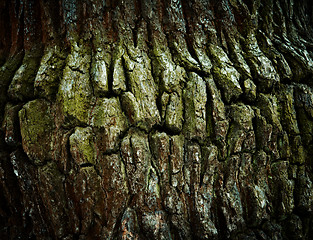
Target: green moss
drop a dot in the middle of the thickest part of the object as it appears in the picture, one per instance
(269, 108)
(144, 89)
(109, 123)
(263, 130)
(82, 146)
(242, 115)
(283, 146)
(80, 57)
(170, 75)
(9, 68)
(298, 152)
(216, 114)
(282, 189)
(236, 55)
(37, 125)
(190, 115)
(183, 56)
(195, 98)
(174, 113)
(50, 72)
(22, 85)
(261, 67)
(107, 112)
(226, 76)
(249, 90)
(131, 107)
(287, 110)
(75, 96)
(235, 138)
(75, 92)
(305, 125)
(100, 73)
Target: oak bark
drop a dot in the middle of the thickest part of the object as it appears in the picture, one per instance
(156, 119)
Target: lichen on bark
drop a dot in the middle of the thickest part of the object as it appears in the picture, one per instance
(154, 119)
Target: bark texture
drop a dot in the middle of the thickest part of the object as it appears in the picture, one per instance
(156, 119)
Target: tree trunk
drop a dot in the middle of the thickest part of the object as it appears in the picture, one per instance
(156, 119)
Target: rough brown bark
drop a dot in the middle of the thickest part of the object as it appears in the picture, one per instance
(156, 119)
